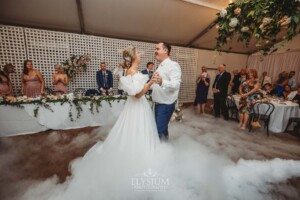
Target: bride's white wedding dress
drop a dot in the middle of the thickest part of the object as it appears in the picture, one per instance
(107, 169)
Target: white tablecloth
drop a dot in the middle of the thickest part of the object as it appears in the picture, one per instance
(280, 117)
(18, 121)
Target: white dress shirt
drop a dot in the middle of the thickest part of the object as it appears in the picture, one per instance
(119, 72)
(265, 80)
(170, 73)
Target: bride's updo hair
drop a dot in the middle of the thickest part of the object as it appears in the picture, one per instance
(129, 56)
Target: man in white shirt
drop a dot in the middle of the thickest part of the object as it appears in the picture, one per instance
(265, 79)
(165, 91)
(292, 80)
(119, 72)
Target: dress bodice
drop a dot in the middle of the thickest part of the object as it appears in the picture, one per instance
(31, 78)
(133, 84)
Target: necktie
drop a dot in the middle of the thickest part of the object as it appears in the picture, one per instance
(218, 80)
(262, 82)
(104, 77)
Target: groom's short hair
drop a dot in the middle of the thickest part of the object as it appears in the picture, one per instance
(167, 46)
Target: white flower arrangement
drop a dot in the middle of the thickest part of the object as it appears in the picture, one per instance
(75, 64)
(223, 13)
(233, 22)
(178, 113)
(245, 29)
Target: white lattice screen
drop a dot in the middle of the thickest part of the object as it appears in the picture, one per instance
(47, 48)
(12, 50)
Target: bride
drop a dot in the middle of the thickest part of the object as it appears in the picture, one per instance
(107, 169)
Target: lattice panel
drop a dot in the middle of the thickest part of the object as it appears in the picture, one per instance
(80, 45)
(12, 50)
(187, 59)
(47, 48)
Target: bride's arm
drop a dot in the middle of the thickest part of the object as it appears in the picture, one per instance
(145, 89)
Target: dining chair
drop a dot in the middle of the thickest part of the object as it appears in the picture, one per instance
(262, 111)
(232, 108)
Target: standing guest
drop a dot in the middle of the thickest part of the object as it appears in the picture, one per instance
(292, 80)
(166, 89)
(60, 80)
(248, 92)
(265, 79)
(296, 98)
(104, 80)
(235, 83)
(202, 91)
(220, 90)
(32, 81)
(149, 71)
(119, 72)
(283, 79)
(5, 83)
(204, 71)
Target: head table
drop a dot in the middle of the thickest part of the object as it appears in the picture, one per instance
(57, 114)
(282, 112)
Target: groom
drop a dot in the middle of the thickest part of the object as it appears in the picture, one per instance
(165, 91)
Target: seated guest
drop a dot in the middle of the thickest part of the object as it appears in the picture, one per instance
(104, 80)
(292, 80)
(149, 71)
(5, 83)
(296, 98)
(248, 91)
(119, 72)
(269, 89)
(287, 91)
(265, 79)
(283, 79)
(32, 81)
(235, 83)
(60, 80)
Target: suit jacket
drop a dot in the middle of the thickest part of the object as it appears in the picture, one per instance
(221, 83)
(100, 79)
(145, 71)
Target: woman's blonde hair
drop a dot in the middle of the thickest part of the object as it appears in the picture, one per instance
(129, 54)
(254, 72)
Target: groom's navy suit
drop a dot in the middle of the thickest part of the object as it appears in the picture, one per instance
(104, 80)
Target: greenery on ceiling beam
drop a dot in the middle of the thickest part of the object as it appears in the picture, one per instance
(264, 20)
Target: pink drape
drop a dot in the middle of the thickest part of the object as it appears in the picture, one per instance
(276, 63)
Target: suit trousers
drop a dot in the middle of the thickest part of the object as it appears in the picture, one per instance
(163, 113)
(220, 105)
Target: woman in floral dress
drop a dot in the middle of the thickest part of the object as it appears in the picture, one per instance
(248, 91)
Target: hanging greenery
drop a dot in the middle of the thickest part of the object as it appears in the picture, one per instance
(264, 20)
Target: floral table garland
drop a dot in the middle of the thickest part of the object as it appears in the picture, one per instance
(94, 102)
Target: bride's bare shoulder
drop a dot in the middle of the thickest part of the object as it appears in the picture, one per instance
(131, 72)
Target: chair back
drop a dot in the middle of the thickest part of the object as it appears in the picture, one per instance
(79, 91)
(92, 92)
(230, 103)
(263, 110)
